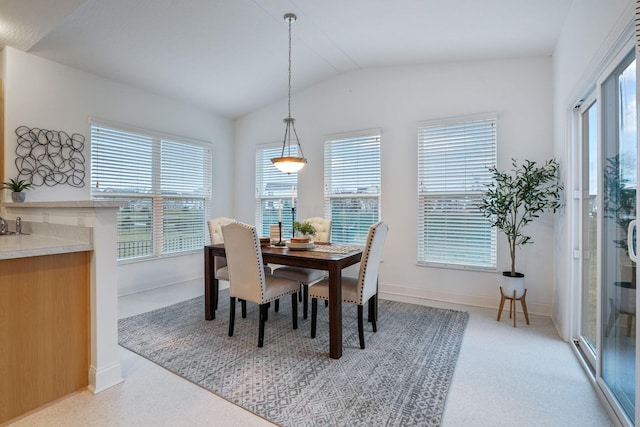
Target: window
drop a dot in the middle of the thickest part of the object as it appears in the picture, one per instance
(274, 191)
(166, 181)
(454, 157)
(352, 185)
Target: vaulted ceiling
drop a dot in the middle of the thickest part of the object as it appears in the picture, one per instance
(230, 56)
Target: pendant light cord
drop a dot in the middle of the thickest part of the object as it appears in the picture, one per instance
(290, 127)
(289, 20)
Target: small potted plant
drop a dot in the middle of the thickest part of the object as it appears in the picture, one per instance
(513, 200)
(17, 187)
(304, 232)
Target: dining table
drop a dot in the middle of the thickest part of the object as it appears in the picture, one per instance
(329, 257)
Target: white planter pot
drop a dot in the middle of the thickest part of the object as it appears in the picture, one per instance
(17, 196)
(512, 283)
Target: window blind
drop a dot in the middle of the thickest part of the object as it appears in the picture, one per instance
(121, 162)
(273, 191)
(167, 183)
(185, 184)
(352, 175)
(185, 169)
(454, 157)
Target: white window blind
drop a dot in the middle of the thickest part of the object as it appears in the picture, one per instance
(167, 183)
(273, 190)
(121, 162)
(454, 157)
(352, 184)
(185, 185)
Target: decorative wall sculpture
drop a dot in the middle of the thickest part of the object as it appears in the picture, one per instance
(49, 157)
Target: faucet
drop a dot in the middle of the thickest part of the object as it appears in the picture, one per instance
(3, 226)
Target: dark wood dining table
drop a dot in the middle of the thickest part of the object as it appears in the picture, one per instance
(325, 259)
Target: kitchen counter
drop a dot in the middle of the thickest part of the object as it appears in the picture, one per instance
(72, 204)
(52, 303)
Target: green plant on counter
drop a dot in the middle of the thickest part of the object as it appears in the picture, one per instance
(16, 185)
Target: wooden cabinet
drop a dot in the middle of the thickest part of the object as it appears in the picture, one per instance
(44, 330)
(2, 147)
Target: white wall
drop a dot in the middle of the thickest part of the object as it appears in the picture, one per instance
(591, 29)
(395, 99)
(43, 94)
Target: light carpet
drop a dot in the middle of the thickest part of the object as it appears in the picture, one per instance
(402, 377)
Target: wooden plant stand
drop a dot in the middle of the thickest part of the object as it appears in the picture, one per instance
(512, 305)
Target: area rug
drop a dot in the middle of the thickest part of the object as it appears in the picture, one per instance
(401, 378)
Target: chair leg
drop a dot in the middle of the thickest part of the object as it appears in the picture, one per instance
(294, 310)
(314, 316)
(373, 316)
(305, 300)
(361, 326)
(232, 314)
(373, 309)
(263, 313)
(326, 303)
(243, 303)
(612, 318)
(300, 293)
(277, 306)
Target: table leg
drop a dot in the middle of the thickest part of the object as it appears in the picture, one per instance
(335, 312)
(210, 286)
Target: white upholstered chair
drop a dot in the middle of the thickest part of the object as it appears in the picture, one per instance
(247, 278)
(215, 232)
(307, 276)
(358, 290)
(322, 227)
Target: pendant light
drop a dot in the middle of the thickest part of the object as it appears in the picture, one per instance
(288, 163)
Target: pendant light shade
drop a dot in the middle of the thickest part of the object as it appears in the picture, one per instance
(287, 162)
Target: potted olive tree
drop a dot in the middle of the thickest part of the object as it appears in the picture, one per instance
(17, 187)
(513, 200)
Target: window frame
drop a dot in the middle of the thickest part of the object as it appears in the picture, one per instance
(373, 135)
(456, 195)
(287, 196)
(155, 197)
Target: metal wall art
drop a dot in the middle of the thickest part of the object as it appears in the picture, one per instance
(49, 157)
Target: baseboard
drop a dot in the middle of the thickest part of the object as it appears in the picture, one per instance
(104, 378)
(152, 287)
(423, 296)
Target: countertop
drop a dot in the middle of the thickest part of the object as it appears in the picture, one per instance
(44, 238)
(72, 204)
(29, 245)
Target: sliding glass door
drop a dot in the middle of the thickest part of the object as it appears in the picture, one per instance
(618, 302)
(607, 336)
(589, 305)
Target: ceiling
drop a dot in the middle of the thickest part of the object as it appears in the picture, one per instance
(230, 56)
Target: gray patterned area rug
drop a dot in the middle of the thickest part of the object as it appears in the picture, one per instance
(402, 377)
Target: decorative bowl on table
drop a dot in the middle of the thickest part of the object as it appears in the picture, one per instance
(301, 239)
(299, 246)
